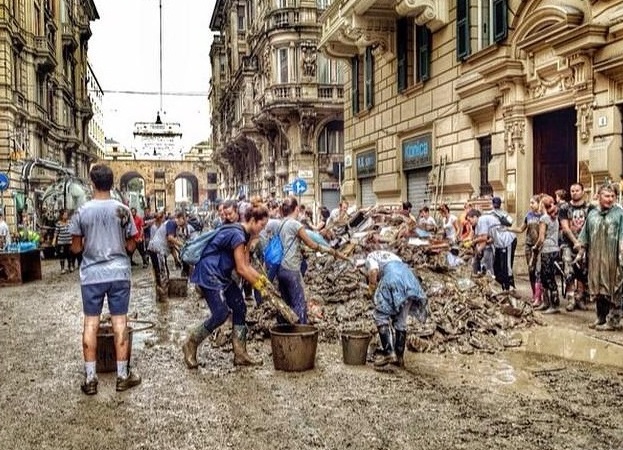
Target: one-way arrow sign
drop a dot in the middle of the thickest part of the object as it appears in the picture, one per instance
(4, 182)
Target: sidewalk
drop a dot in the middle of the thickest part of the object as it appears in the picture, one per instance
(567, 334)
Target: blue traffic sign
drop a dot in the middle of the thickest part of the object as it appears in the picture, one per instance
(4, 182)
(299, 186)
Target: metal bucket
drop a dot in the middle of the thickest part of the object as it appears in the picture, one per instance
(355, 347)
(106, 355)
(294, 347)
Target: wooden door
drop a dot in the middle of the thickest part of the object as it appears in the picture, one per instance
(555, 151)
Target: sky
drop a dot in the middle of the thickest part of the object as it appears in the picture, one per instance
(124, 54)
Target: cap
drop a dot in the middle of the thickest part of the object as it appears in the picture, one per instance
(496, 202)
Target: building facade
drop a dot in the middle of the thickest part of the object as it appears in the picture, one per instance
(95, 131)
(44, 103)
(276, 101)
(447, 100)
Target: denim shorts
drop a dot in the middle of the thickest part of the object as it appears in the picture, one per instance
(117, 292)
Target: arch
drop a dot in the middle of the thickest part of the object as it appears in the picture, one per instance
(127, 177)
(194, 182)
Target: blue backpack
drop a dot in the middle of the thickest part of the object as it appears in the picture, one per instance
(274, 253)
(192, 249)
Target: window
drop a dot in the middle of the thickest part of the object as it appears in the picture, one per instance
(413, 53)
(282, 65)
(356, 79)
(331, 138)
(491, 24)
(485, 159)
(212, 178)
(241, 18)
(362, 72)
(329, 70)
(368, 78)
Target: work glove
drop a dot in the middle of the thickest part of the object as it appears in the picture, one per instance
(260, 284)
(371, 290)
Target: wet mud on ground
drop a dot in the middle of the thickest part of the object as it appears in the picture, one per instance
(511, 400)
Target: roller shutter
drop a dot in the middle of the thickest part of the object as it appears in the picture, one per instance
(330, 198)
(367, 193)
(416, 188)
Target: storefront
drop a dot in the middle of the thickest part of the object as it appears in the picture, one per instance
(416, 164)
(366, 171)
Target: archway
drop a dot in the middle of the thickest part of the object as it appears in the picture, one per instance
(132, 187)
(186, 190)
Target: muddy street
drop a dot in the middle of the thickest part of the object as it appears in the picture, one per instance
(510, 400)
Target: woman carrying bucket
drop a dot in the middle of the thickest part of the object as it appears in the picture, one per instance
(213, 274)
(396, 292)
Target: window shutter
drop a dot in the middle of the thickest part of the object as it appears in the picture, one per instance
(462, 29)
(424, 42)
(369, 81)
(355, 84)
(500, 20)
(402, 38)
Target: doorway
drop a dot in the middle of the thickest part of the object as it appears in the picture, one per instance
(555, 151)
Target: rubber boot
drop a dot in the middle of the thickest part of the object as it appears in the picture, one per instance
(197, 336)
(162, 293)
(580, 300)
(602, 309)
(239, 342)
(387, 343)
(545, 303)
(571, 303)
(401, 341)
(554, 303)
(537, 297)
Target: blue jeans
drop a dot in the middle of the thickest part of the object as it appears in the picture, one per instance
(399, 320)
(220, 302)
(292, 292)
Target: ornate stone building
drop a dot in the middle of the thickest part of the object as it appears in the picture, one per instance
(276, 101)
(447, 100)
(44, 105)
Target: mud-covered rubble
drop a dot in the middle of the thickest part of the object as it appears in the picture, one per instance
(466, 315)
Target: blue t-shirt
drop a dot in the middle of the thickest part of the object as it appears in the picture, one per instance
(214, 269)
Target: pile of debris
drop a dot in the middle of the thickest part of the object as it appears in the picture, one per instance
(466, 314)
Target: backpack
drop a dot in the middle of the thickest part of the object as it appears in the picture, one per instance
(274, 253)
(192, 249)
(505, 219)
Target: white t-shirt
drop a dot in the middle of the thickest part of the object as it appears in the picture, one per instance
(5, 233)
(377, 260)
(448, 227)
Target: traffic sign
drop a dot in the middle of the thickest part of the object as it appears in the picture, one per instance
(4, 181)
(287, 188)
(299, 186)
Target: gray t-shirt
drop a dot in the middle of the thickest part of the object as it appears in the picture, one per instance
(158, 242)
(105, 225)
(550, 244)
(289, 239)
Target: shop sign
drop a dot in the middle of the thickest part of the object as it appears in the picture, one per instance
(417, 152)
(366, 164)
(330, 185)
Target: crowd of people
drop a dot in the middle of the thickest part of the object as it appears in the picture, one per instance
(574, 237)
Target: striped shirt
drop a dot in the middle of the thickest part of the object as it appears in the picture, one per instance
(63, 236)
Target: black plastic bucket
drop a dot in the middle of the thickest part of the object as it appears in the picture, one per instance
(294, 347)
(355, 347)
(106, 354)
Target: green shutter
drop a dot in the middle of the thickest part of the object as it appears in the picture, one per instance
(423, 43)
(355, 84)
(402, 39)
(369, 81)
(462, 29)
(500, 20)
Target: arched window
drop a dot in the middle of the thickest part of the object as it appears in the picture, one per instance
(331, 138)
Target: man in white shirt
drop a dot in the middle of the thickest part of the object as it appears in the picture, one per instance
(5, 234)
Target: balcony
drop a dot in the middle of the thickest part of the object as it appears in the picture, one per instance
(45, 54)
(284, 18)
(292, 95)
(69, 38)
(330, 92)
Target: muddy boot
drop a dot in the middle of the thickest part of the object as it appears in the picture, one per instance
(602, 308)
(239, 342)
(387, 343)
(571, 301)
(544, 303)
(162, 293)
(537, 296)
(554, 303)
(580, 301)
(401, 341)
(197, 336)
